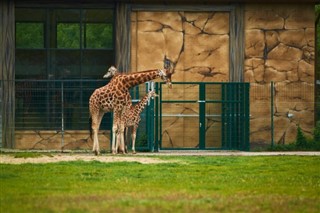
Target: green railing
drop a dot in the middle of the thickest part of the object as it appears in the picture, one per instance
(202, 116)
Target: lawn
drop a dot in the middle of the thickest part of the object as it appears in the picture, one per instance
(186, 184)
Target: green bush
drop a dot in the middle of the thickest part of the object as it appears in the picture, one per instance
(316, 133)
(301, 141)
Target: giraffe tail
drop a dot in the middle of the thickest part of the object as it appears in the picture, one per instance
(90, 127)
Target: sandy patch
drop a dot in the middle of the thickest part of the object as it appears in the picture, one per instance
(9, 159)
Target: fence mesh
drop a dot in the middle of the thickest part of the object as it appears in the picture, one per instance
(55, 105)
(275, 110)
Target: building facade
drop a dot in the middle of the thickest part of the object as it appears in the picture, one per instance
(208, 41)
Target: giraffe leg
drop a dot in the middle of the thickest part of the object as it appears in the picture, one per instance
(114, 134)
(96, 120)
(133, 138)
(125, 139)
(120, 138)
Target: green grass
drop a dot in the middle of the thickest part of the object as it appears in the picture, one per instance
(193, 184)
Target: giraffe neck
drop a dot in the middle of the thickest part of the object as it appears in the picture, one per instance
(134, 79)
(141, 104)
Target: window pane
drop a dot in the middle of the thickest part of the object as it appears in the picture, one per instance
(68, 35)
(29, 35)
(65, 64)
(96, 62)
(30, 64)
(98, 26)
(99, 36)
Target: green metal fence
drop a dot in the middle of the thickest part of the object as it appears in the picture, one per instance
(202, 116)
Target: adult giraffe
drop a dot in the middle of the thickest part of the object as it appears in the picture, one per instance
(115, 97)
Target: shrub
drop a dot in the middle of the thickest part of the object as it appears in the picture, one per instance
(316, 133)
(301, 141)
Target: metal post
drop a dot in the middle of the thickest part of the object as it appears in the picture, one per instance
(62, 117)
(272, 127)
(202, 114)
(156, 145)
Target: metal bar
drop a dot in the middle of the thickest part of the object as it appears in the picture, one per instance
(156, 146)
(272, 127)
(189, 115)
(160, 113)
(223, 138)
(202, 118)
(62, 116)
(177, 101)
(247, 117)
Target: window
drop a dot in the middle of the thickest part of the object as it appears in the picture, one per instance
(64, 43)
(55, 44)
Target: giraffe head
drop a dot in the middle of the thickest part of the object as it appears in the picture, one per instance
(168, 71)
(152, 94)
(111, 72)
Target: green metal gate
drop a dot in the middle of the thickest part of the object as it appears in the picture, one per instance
(202, 116)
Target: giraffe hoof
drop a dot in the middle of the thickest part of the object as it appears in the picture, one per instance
(96, 152)
(134, 152)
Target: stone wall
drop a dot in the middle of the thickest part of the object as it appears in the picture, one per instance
(54, 140)
(198, 44)
(279, 47)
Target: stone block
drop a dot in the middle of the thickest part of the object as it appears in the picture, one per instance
(291, 133)
(179, 132)
(151, 48)
(260, 130)
(284, 52)
(272, 39)
(272, 74)
(294, 38)
(261, 18)
(254, 43)
(166, 19)
(300, 17)
(305, 118)
(310, 35)
(306, 71)
(282, 65)
(280, 124)
(218, 23)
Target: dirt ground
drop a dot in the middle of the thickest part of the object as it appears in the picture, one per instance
(8, 156)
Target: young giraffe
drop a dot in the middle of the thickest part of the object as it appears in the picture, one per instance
(132, 116)
(115, 97)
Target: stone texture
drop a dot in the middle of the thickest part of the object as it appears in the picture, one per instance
(284, 52)
(279, 47)
(257, 17)
(293, 38)
(310, 35)
(53, 140)
(254, 43)
(198, 44)
(260, 130)
(306, 71)
(255, 69)
(272, 39)
(300, 18)
(287, 58)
